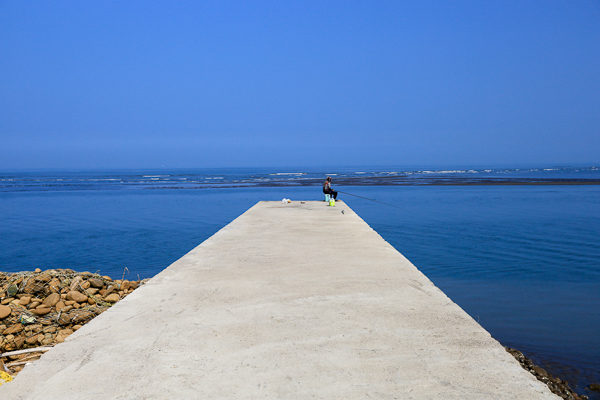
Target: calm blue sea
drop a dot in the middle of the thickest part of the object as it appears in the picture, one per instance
(518, 249)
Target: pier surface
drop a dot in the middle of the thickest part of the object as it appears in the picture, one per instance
(289, 301)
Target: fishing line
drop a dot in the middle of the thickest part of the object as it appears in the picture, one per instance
(376, 201)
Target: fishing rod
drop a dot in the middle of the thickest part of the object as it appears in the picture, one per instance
(376, 201)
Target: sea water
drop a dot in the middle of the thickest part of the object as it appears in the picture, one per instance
(522, 259)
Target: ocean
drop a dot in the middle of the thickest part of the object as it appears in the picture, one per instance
(517, 248)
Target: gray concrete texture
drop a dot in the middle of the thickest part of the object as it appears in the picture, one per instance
(289, 301)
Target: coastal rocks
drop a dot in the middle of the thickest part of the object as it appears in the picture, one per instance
(75, 283)
(96, 283)
(62, 335)
(112, 298)
(595, 387)
(5, 311)
(11, 330)
(54, 285)
(52, 300)
(556, 385)
(25, 300)
(44, 308)
(77, 296)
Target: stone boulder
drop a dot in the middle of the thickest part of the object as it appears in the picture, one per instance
(5, 311)
(112, 298)
(77, 296)
(42, 309)
(96, 283)
(52, 300)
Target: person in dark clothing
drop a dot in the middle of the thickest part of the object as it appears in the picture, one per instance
(327, 188)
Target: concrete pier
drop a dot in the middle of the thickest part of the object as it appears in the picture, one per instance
(289, 301)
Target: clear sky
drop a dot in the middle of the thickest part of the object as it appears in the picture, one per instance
(88, 84)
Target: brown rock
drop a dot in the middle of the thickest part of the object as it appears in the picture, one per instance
(52, 300)
(85, 285)
(133, 285)
(107, 278)
(37, 270)
(101, 292)
(19, 341)
(31, 339)
(69, 302)
(111, 289)
(5, 311)
(125, 285)
(63, 296)
(75, 283)
(11, 330)
(46, 341)
(31, 286)
(77, 327)
(25, 300)
(30, 328)
(62, 335)
(7, 300)
(76, 305)
(595, 387)
(60, 305)
(82, 316)
(77, 296)
(96, 283)
(54, 285)
(64, 319)
(41, 310)
(44, 278)
(91, 301)
(91, 291)
(112, 298)
(67, 308)
(33, 305)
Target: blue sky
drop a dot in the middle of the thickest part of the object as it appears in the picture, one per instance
(99, 84)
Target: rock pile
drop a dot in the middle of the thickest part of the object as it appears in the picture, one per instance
(556, 385)
(44, 308)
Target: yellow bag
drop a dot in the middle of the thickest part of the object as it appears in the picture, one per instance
(4, 377)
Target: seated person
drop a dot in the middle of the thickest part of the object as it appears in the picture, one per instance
(327, 188)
